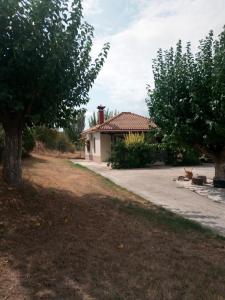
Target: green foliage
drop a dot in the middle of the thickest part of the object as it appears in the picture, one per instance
(63, 143)
(134, 138)
(28, 141)
(47, 136)
(54, 140)
(134, 155)
(182, 156)
(175, 153)
(46, 68)
(140, 153)
(188, 101)
(191, 157)
(93, 120)
(75, 128)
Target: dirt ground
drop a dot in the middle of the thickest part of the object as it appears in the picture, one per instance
(70, 234)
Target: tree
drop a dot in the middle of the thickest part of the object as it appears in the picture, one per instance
(93, 120)
(188, 100)
(46, 70)
(75, 128)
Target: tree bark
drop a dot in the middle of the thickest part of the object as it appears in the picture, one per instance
(220, 169)
(12, 170)
(219, 159)
(219, 179)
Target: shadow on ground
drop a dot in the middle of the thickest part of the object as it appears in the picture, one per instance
(56, 245)
(34, 160)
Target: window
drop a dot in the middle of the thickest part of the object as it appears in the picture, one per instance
(94, 144)
(88, 145)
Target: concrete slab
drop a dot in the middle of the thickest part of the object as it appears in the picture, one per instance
(156, 184)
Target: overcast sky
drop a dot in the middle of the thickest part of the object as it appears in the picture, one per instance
(136, 29)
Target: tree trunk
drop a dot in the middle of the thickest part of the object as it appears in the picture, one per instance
(12, 171)
(219, 159)
(220, 170)
(219, 179)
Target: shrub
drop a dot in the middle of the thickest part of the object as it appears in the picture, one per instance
(63, 143)
(134, 138)
(28, 141)
(190, 157)
(181, 156)
(47, 136)
(134, 152)
(54, 140)
(134, 155)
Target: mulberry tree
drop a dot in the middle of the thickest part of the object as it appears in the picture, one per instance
(46, 69)
(188, 99)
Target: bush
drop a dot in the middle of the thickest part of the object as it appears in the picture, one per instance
(134, 155)
(135, 152)
(63, 143)
(47, 136)
(54, 140)
(182, 157)
(190, 157)
(134, 138)
(28, 141)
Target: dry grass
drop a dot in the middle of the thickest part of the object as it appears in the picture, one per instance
(40, 149)
(69, 234)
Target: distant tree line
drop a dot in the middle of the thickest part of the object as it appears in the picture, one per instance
(93, 120)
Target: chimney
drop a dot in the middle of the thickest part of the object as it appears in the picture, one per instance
(101, 116)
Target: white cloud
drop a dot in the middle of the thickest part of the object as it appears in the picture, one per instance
(160, 23)
(91, 7)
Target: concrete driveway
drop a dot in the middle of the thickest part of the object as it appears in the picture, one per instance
(156, 185)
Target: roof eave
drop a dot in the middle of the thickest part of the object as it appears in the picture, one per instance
(117, 130)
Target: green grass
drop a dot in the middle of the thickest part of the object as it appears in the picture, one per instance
(105, 180)
(78, 166)
(167, 219)
(157, 215)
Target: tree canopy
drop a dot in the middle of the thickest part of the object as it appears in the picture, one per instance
(75, 128)
(46, 68)
(188, 100)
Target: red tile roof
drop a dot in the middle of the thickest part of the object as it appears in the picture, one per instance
(124, 122)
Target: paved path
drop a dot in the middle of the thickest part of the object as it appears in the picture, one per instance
(156, 185)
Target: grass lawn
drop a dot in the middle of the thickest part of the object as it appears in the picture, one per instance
(71, 234)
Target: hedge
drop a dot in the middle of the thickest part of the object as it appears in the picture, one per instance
(135, 155)
(139, 155)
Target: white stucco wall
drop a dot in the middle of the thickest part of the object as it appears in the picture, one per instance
(95, 152)
(105, 146)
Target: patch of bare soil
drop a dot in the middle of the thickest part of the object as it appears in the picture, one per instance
(63, 236)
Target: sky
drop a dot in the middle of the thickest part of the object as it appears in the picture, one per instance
(136, 29)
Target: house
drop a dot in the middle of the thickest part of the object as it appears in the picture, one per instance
(100, 138)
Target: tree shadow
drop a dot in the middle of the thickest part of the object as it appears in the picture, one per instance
(53, 241)
(60, 245)
(32, 160)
